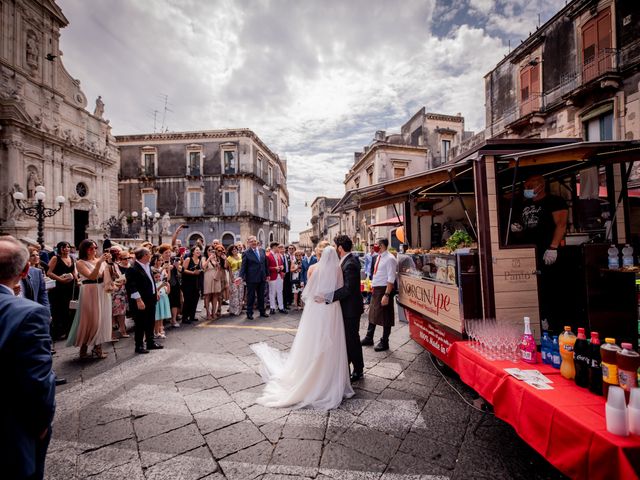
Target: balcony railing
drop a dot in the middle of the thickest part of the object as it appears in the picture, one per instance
(194, 211)
(194, 171)
(230, 209)
(148, 171)
(605, 61)
(532, 104)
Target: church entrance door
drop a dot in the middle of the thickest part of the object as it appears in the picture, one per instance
(80, 223)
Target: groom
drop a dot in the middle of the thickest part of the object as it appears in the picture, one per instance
(350, 303)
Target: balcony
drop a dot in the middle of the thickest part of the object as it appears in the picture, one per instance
(147, 171)
(194, 211)
(230, 209)
(605, 61)
(531, 104)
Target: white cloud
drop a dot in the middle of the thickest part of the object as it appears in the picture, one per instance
(314, 80)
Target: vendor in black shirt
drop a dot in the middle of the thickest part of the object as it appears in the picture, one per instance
(543, 223)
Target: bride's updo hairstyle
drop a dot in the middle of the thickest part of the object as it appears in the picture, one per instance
(321, 246)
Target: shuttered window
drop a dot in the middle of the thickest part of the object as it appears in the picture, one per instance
(597, 53)
(530, 92)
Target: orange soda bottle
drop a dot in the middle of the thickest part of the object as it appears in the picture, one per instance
(567, 340)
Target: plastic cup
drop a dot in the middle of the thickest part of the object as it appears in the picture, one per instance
(616, 412)
(634, 411)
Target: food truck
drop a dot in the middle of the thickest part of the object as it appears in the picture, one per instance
(442, 287)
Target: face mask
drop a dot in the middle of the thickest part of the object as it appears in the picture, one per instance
(529, 193)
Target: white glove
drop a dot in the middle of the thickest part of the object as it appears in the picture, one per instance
(550, 256)
(516, 227)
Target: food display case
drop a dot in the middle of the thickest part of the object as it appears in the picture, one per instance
(438, 292)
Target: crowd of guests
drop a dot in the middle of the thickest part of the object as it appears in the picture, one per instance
(96, 292)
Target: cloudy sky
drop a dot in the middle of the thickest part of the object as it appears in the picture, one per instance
(313, 78)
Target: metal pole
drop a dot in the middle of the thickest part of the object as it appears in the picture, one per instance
(40, 220)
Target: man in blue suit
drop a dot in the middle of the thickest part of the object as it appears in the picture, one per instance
(32, 286)
(27, 408)
(253, 271)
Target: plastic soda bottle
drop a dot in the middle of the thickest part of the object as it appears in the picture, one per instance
(609, 364)
(555, 352)
(628, 363)
(545, 344)
(595, 369)
(627, 256)
(528, 349)
(567, 340)
(614, 260)
(581, 360)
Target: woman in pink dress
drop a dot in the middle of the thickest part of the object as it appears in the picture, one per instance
(92, 323)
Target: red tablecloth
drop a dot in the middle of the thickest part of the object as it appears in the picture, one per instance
(566, 425)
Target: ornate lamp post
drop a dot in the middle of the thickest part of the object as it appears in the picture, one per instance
(148, 220)
(38, 210)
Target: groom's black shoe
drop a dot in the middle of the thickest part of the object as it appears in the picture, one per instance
(272, 311)
(285, 311)
(381, 346)
(366, 341)
(355, 376)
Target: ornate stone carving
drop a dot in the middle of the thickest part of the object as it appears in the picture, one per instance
(33, 180)
(32, 50)
(94, 216)
(166, 224)
(99, 110)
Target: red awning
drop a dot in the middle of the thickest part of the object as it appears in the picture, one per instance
(389, 222)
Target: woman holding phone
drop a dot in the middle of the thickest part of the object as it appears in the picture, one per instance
(191, 271)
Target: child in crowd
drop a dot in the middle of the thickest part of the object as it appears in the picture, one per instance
(163, 310)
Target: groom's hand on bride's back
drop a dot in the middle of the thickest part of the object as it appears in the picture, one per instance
(319, 299)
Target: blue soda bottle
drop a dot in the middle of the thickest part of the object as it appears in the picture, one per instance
(556, 360)
(545, 349)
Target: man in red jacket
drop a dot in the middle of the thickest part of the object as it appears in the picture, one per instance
(275, 263)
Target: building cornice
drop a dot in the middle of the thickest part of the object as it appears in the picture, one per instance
(382, 147)
(132, 140)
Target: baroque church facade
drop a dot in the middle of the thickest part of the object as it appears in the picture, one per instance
(47, 136)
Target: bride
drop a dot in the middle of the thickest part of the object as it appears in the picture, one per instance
(315, 372)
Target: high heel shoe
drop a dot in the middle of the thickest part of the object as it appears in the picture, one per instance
(83, 352)
(98, 353)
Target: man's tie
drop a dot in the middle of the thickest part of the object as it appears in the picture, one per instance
(375, 269)
(257, 252)
(27, 289)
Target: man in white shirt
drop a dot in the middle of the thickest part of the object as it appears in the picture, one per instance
(381, 311)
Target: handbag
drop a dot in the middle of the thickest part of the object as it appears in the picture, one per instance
(73, 303)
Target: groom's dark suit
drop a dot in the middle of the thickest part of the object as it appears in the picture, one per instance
(139, 282)
(351, 304)
(253, 271)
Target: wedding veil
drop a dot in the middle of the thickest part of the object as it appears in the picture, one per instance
(326, 277)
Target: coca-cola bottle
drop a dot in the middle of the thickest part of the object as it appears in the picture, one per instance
(581, 360)
(595, 368)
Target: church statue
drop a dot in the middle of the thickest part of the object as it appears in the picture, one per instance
(124, 225)
(32, 182)
(166, 224)
(99, 110)
(93, 214)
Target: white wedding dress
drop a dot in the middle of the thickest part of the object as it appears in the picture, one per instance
(315, 372)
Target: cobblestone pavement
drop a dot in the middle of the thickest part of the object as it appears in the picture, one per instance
(189, 412)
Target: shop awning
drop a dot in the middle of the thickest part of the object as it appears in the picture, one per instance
(585, 154)
(398, 190)
(389, 222)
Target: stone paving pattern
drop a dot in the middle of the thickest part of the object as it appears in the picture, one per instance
(190, 412)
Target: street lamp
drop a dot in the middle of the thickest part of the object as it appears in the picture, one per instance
(148, 220)
(38, 210)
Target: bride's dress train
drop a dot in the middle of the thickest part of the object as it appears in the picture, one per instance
(315, 372)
